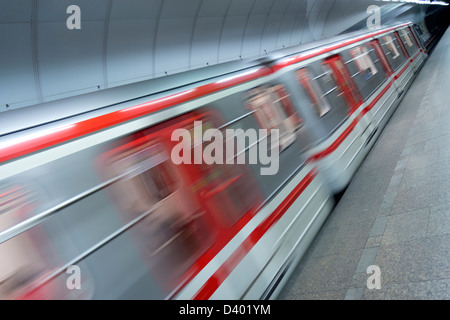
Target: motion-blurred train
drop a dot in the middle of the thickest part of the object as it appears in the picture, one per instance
(92, 207)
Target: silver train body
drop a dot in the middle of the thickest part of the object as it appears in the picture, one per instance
(92, 207)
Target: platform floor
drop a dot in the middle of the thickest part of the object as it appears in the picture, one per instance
(396, 211)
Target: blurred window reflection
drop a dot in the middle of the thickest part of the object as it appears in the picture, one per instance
(174, 232)
(274, 110)
(315, 94)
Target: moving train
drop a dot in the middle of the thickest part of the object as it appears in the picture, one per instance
(92, 205)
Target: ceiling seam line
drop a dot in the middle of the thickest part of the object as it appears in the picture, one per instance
(317, 19)
(293, 27)
(221, 30)
(307, 17)
(245, 28)
(328, 14)
(264, 28)
(194, 24)
(105, 44)
(158, 19)
(281, 23)
(33, 25)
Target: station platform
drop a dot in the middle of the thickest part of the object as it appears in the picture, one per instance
(395, 213)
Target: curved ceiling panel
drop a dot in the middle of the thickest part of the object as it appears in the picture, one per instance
(125, 41)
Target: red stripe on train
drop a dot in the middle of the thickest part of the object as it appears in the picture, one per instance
(302, 57)
(66, 133)
(377, 98)
(336, 143)
(350, 128)
(213, 283)
(407, 65)
(226, 268)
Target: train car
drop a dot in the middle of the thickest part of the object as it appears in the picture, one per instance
(347, 91)
(95, 189)
(94, 206)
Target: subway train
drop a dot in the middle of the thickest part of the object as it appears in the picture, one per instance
(93, 205)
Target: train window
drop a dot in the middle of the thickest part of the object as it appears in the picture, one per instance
(274, 110)
(365, 68)
(15, 205)
(172, 232)
(20, 263)
(408, 42)
(363, 61)
(402, 46)
(344, 81)
(332, 91)
(418, 29)
(26, 258)
(390, 45)
(226, 190)
(406, 38)
(392, 50)
(332, 105)
(149, 177)
(320, 104)
(22, 267)
(414, 36)
(375, 44)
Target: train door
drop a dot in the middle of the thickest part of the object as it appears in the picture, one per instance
(422, 54)
(350, 90)
(406, 75)
(412, 47)
(172, 231)
(20, 260)
(392, 50)
(273, 110)
(370, 73)
(415, 38)
(377, 47)
(408, 42)
(226, 190)
(190, 208)
(327, 98)
(382, 110)
(345, 82)
(224, 187)
(395, 55)
(319, 103)
(405, 53)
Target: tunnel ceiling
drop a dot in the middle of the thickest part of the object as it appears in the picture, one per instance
(125, 41)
